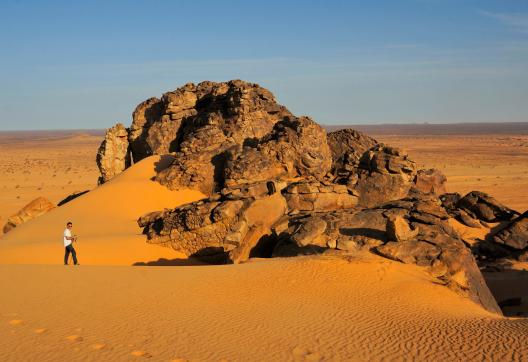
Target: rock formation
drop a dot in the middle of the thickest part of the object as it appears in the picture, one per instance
(515, 235)
(431, 181)
(113, 156)
(411, 230)
(226, 227)
(347, 147)
(384, 173)
(292, 149)
(484, 207)
(35, 208)
(278, 185)
(199, 123)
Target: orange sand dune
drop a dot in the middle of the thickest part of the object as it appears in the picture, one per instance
(293, 309)
(104, 219)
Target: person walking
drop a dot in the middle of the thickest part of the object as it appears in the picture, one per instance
(68, 244)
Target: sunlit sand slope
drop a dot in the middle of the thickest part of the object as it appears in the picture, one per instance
(104, 219)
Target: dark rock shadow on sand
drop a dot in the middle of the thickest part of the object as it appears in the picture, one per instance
(172, 262)
(366, 232)
(71, 197)
(206, 256)
(164, 162)
(510, 289)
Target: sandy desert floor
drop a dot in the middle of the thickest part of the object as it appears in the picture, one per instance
(298, 309)
(49, 164)
(293, 309)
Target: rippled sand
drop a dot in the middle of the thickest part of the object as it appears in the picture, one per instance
(298, 309)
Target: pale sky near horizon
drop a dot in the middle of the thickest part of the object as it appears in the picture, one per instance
(87, 64)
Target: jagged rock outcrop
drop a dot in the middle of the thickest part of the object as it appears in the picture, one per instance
(278, 185)
(515, 235)
(315, 196)
(412, 231)
(384, 173)
(482, 206)
(226, 227)
(199, 123)
(229, 114)
(476, 207)
(347, 147)
(292, 149)
(35, 208)
(507, 239)
(113, 156)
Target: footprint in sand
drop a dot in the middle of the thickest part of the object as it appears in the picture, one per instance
(300, 353)
(40, 330)
(141, 354)
(16, 322)
(99, 346)
(74, 338)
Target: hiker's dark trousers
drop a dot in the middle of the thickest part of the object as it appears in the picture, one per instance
(67, 250)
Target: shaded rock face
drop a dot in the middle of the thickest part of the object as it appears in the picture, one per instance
(296, 147)
(375, 172)
(113, 156)
(475, 207)
(507, 240)
(345, 229)
(431, 181)
(515, 235)
(315, 196)
(482, 206)
(35, 208)
(384, 173)
(347, 147)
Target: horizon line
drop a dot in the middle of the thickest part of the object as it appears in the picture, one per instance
(322, 124)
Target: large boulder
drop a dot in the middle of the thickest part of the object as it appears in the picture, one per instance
(35, 208)
(431, 181)
(156, 122)
(515, 235)
(113, 156)
(198, 123)
(226, 115)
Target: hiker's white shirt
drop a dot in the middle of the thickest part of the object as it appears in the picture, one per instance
(67, 233)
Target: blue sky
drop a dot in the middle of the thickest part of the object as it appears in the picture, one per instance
(86, 64)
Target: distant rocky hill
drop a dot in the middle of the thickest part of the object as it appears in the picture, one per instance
(477, 128)
(279, 185)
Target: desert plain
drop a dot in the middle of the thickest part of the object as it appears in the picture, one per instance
(309, 308)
